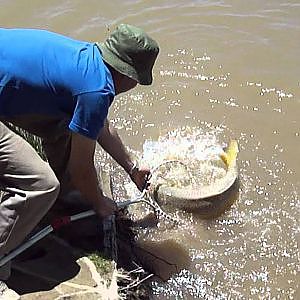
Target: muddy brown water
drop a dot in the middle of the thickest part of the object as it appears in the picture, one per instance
(226, 64)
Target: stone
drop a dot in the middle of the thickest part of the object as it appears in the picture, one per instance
(51, 270)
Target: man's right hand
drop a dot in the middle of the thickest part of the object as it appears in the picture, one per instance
(105, 207)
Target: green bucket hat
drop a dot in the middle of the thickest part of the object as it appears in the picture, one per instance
(132, 52)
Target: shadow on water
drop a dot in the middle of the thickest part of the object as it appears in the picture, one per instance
(164, 258)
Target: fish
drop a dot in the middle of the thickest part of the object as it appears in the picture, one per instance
(229, 156)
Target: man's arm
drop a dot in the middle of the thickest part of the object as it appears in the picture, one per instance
(84, 177)
(110, 141)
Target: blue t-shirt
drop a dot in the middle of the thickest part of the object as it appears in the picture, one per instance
(44, 73)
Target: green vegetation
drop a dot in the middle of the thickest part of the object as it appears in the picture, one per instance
(102, 263)
(32, 139)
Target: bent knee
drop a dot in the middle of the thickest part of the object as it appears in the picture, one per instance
(49, 183)
(53, 186)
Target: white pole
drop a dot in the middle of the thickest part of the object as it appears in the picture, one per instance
(39, 235)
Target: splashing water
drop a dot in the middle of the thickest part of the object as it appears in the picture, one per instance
(197, 151)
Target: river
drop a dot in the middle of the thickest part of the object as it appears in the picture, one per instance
(232, 67)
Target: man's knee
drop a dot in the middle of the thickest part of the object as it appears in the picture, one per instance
(49, 184)
(54, 186)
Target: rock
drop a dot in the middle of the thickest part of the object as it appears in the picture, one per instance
(52, 270)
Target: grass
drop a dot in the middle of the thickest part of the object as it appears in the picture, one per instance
(32, 139)
(103, 264)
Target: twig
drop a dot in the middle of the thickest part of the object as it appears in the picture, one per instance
(135, 284)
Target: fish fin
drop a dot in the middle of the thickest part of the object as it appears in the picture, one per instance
(229, 156)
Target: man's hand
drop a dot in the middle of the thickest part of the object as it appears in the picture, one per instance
(140, 177)
(105, 207)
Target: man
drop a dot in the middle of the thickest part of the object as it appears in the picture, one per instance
(60, 89)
